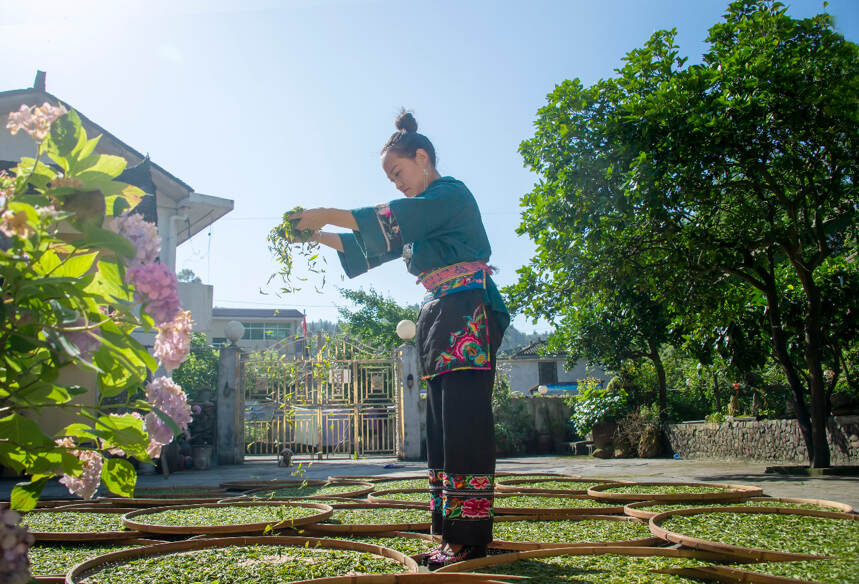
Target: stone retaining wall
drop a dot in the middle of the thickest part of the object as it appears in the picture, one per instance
(766, 440)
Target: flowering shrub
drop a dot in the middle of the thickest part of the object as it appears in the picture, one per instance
(68, 301)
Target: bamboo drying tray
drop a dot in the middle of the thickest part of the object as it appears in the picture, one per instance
(522, 485)
(361, 489)
(380, 497)
(735, 552)
(61, 578)
(83, 568)
(727, 494)
(538, 545)
(82, 536)
(365, 529)
(639, 508)
(130, 519)
(554, 512)
(514, 556)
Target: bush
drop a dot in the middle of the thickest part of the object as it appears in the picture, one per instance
(593, 404)
(200, 371)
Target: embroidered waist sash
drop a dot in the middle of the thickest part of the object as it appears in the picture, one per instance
(454, 278)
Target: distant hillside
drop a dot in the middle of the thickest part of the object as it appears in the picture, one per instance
(515, 339)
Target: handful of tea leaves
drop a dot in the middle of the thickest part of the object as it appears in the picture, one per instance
(287, 243)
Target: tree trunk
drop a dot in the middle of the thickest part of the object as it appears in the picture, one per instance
(716, 395)
(816, 382)
(780, 345)
(660, 378)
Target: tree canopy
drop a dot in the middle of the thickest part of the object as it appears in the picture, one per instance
(734, 178)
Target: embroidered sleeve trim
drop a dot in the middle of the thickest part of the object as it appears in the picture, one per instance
(389, 227)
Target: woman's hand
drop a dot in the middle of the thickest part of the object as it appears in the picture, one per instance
(312, 219)
(316, 219)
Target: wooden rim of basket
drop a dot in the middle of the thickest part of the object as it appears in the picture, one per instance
(729, 493)
(510, 485)
(358, 492)
(83, 536)
(367, 529)
(731, 574)
(201, 544)
(501, 544)
(128, 518)
(737, 552)
(268, 484)
(375, 479)
(155, 502)
(637, 509)
(418, 578)
(514, 556)
(554, 512)
(379, 497)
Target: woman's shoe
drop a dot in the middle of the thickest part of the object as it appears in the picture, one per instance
(425, 557)
(445, 558)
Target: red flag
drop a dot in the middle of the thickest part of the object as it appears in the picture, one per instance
(304, 325)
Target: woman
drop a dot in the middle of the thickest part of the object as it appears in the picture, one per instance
(438, 231)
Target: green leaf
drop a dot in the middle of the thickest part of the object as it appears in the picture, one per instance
(66, 135)
(76, 266)
(26, 495)
(46, 263)
(119, 476)
(102, 168)
(109, 283)
(104, 238)
(125, 432)
(23, 431)
(42, 394)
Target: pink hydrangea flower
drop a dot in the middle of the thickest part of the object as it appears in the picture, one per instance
(157, 286)
(15, 542)
(163, 393)
(85, 485)
(142, 233)
(34, 120)
(173, 341)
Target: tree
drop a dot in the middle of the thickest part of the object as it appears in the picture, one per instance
(375, 320)
(741, 169)
(188, 275)
(199, 372)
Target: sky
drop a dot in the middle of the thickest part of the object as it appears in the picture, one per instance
(275, 104)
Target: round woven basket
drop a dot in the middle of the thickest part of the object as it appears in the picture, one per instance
(554, 512)
(736, 552)
(533, 485)
(735, 574)
(727, 493)
(376, 478)
(83, 536)
(131, 519)
(420, 578)
(359, 490)
(639, 508)
(538, 545)
(80, 571)
(514, 556)
(365, 529)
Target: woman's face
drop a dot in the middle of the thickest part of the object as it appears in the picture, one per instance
(409, 175)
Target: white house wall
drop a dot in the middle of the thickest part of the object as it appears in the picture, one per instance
(524, 373)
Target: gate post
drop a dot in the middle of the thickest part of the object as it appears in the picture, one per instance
(409, 427)
(230, 445)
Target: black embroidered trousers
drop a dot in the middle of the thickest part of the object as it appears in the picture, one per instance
(461, 451)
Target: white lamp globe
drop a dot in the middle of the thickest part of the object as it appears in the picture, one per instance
(406, 330)
(234, 330)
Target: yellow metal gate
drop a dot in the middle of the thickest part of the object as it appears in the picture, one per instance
(338, 397)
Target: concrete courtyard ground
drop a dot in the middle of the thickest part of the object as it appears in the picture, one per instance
(836, 488)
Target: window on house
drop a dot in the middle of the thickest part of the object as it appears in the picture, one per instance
(548, 372)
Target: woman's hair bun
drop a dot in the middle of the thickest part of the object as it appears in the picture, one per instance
(406, 122)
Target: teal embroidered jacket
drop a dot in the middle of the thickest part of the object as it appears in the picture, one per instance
(439, 227)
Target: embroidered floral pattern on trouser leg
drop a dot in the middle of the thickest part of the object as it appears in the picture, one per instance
(436, 484)
(468, 496)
